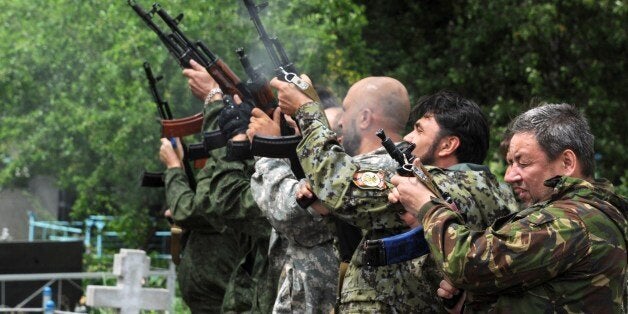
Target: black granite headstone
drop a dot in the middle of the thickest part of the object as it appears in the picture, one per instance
(41, 257)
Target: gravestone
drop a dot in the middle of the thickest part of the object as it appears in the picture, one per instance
(130, 267)
(40, 257)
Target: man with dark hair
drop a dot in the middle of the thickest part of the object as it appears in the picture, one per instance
(565, 253)
(456, 117)
(451, 133)
(356, 189)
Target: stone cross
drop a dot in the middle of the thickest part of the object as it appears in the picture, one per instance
(130, 266)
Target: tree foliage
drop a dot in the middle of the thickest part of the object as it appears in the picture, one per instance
(509, 55)
(75, 99)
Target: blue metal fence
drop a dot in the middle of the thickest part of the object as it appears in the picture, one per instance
(92, 231)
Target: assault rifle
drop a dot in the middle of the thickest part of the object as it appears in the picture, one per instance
(283, 67)
(348, 235)
(412, 244)
(152, 179)
(266, 101)
(184, 50)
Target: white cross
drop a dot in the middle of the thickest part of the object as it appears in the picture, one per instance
(130, 266)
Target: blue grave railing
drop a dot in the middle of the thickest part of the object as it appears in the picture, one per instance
(92, 231)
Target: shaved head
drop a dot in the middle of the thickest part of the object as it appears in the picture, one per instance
(386, 96)
(373, 103)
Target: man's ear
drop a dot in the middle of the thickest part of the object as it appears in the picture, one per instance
(448, 145)
(569, 162)
(365, 118)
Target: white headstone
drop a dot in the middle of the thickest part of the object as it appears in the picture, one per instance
(130, 266)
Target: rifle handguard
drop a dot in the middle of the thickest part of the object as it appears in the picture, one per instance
(183, 126)
(275, 147)
(152, 179)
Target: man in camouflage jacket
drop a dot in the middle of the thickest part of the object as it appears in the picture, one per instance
(564, 253)
(224, 266)
(308, 279)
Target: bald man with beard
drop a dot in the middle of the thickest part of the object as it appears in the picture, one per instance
(351, 180)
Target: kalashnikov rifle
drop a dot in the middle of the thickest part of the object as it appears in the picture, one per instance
(151, 179)
(348, 235)
(283, 67)
(183, 49)
(179, 236)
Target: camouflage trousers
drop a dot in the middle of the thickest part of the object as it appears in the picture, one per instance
(206, 266)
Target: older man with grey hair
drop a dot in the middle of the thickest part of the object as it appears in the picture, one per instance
(566, 252)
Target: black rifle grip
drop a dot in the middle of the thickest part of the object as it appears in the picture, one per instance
(451, 303)
(305, 202)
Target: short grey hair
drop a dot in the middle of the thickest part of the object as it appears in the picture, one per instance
(558, 127)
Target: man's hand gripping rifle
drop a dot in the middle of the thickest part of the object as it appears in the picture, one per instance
(184, 50)
(151, 179)
(192, 152)
(285, 70)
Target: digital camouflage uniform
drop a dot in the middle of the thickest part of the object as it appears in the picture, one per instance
(308, 280)
(407, 287)
(567, 254)
(212, 250)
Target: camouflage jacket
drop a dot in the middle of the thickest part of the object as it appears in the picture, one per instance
(202, 283)
(223, 200)
(308, 279)
(567, 254)
(403, 287)
(187, 207)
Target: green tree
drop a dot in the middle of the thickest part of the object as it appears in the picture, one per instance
(75, 99)
(507, 55)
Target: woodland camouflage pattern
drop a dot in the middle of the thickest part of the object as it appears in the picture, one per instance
(308, 279)
(404, 287)
(567, 254)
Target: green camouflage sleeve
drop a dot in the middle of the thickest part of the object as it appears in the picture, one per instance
(331, 172)
(186, 210)
(223, 191)
(533, 246)
(229, 196)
